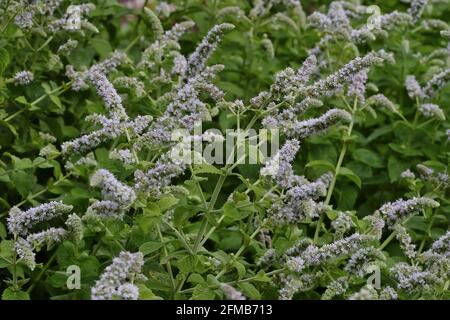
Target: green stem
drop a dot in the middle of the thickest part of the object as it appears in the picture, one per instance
(46, 266)
(336, 171)
(388, 240)
(35, 102)
(166, 254)
(239, 252)
(271, 273)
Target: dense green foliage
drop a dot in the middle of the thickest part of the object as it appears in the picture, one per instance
(214, 224)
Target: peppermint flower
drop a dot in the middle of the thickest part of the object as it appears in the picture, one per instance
(280, 168)
(416, 9)
(123, 155)
(436, 83)
(231, 293)
(413, 87)
(47, 237)
(400, 209)
(197, 60)
(382, 101)
(405, 240)
(315, 256)
(346, 73)
(388, 293)
(408, 174)
(25, 252)
(360, 261)
(67, 47)
(342, 223)
(25, 19)
(310, 127)
(336, 288)
(23, 77)
(19, 222)
(106, 91)
(430, 110)
(357, 87)
(411, 278)
(116, 195)
(117, 279)
(299, 201)
(75, 227)
(156, 179)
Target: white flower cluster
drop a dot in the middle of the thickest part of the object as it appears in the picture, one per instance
(117, 197)
(21, 222)
(117, 280)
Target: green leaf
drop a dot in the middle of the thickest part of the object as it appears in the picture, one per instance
(3, 233)
(240, 268)
(206, 168)
(188, 264)
(6, 249)
(23, 182)
(167, 202)
(368, 157)
(146, 293)
(202, 292)
(350, 175)
(10, 294)
(102, 46)
(320, 163)
(405, 150)
(22, 100)
(4, 60)
(234, 214)
(149, 247)
(56, 101)
(396, 167)
(250, 291)
(4, 263)
(195, 278)
(262, 277)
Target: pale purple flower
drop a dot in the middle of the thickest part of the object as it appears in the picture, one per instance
(357, 87)
(413, 87)
(25, 252)
(231, 293)
(113, 189)
(360, 261)
(280, 168)
(406, 243)
(437, 82)
(430, 110)
(197, 60)
(400, 209)
(19, 222)
(23, 77)
(382, 101)
(117, 279)
(416, 9)
(408, 174)
(47, 237)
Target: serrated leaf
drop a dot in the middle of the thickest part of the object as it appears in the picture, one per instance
(368, 157)
(206, 168)
(167, 202)
(149, 247)
(4, 60)
(343, 171)
(320, 163)
(250, 291)
(10, 294)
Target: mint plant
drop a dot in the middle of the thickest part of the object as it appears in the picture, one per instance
(224, 149)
